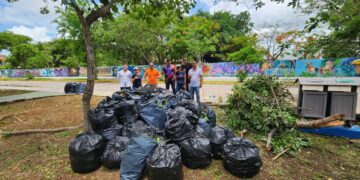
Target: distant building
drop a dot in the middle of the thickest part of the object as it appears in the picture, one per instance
(2, 59)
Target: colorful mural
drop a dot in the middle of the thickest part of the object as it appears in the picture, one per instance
(327, 68)
(283, 68)
(341, 67)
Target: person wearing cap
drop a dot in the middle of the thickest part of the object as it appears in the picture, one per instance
(124, 77)
(195, 76)
(169, 72)
(151, 76)
(136, 78)
(180, 78)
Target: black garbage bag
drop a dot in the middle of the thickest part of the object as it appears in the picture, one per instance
(126, 112)
(102, 118)
(165, 163)
(85, 152)
(171, 103)
(108, 102)
(183, 95)
(117, 97)
(69, 88)
(153, 115)
(139, 127)
(110, 133)
(114, 152)
(211, 116)
(133, 161)
(199, 132)
(196, 152)
(190, 105)
(181, 111)
(79, 88)
(241, 157)
(205, 126)
(178, 129)
(218, 137)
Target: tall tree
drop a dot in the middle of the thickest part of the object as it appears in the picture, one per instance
(276, 41)
(197, 35)
(9, 40)
(244, 50)
(89, 11)
(231, 25)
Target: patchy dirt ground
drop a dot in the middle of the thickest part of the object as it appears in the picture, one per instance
(45, 156)
(12, 92)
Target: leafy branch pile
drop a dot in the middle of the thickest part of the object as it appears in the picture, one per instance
(263, 104)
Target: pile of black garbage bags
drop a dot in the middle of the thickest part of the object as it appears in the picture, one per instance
(156, 133)
(72, 87)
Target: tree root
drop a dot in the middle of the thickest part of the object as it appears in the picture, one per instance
(34, 131)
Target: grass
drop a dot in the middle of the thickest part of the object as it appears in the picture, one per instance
(45, 156)
(10, 92)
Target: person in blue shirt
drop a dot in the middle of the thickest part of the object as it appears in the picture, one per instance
(180, 78)
(136, 78)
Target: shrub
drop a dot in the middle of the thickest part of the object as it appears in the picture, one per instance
(262, 104)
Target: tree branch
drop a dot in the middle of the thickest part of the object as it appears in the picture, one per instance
(269, 139)
(33, 131)
(103, 11)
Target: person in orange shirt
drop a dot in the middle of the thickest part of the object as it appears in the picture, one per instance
(151, 76)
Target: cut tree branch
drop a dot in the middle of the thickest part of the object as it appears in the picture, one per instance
(33, 131)
(319, 122)
(269, 139)
(281, 153)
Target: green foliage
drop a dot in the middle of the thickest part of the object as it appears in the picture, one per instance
(241, 75)
(262, 104)
(194, 36)
(243, 50)
(29, 76)
(8, 40)
(20, 54)
(290, 139)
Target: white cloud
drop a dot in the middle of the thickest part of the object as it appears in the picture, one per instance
(27, 13)
(38, 34)
(270, 13)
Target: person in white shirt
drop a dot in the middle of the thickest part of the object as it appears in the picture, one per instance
(124, 77)
(195, 76)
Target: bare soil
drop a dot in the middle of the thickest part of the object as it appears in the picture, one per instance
(45, 156)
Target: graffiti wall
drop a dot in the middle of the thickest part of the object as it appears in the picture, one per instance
(284, 68)
(341, 67)
(345, 67)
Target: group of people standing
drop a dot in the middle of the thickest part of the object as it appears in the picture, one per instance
(186, 76)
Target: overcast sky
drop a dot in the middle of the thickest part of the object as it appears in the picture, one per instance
(23, 17)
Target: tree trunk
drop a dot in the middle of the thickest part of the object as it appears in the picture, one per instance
(89, 89)
(319, 122)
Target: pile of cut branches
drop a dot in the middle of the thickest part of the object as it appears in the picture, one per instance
(263, 105)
